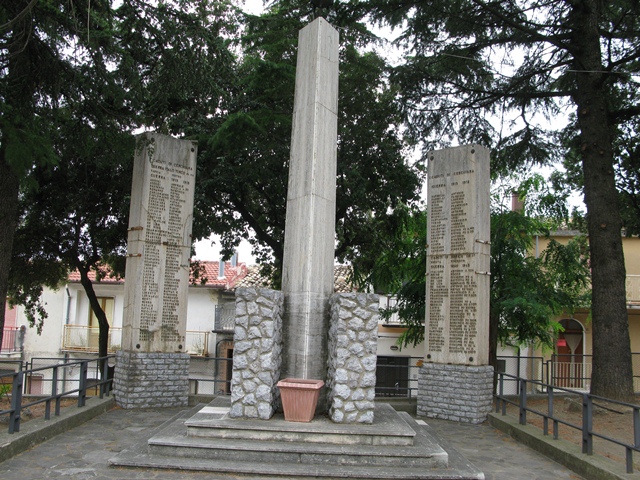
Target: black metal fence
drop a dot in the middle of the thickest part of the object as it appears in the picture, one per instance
(210, 376)
(586, 427)
(395, 376)
(564, 371)
(55, 379)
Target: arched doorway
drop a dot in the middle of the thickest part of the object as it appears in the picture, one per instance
(568, 371)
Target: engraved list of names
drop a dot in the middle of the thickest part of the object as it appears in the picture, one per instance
(458, 232)
(159, 244)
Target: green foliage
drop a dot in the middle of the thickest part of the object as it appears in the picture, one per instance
(526, 63)
(76, 218)
(5, 389)
(399, 270)
(72, 91)
(244, 159)
(528, 289)
(467, 59)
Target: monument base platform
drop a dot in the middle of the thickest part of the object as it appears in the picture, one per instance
(395, 446)
(151, 380)
(461, 393)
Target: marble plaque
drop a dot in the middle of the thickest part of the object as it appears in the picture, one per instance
(458, 234)
(159, 244)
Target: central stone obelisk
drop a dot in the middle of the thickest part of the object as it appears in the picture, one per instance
(307, 276)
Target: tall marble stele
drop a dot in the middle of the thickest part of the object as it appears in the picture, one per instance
(152, 368)
(456, 380)
(307, 278)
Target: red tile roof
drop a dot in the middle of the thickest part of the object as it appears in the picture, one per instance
(341, 279)
(209, 272)
(205, 276)
(107, 276)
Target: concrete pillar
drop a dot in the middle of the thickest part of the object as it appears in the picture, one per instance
(307, 279)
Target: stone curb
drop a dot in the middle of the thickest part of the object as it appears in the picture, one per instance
(593, 467)
(39, 430)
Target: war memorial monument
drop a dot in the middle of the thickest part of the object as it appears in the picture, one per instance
(305, 334)
(152, 369)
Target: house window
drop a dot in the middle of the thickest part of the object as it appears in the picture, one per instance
(107, 304)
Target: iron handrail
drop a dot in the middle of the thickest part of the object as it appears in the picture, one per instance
(18, 380)
(587, 415)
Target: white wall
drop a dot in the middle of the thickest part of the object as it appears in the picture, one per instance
(201, 308)
(70, 305)
(387, 347)
(49, 342)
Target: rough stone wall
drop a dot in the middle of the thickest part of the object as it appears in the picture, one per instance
(455, 392)
(257, 353)
(353, 340)
(144, 380)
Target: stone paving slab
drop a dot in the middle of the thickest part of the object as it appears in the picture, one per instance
(84, 452)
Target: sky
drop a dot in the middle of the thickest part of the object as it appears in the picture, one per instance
(209, 249)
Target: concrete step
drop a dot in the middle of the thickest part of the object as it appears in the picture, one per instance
(425, 452)
(170, 447)
(240, 469)
(388, 429)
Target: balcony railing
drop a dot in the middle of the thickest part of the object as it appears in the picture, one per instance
(82, 338)
(52, 382)
(12, 338)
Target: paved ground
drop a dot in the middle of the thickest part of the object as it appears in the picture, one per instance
(83, 453)
(496, 454)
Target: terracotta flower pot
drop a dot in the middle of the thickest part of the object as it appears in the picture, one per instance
(299, 398)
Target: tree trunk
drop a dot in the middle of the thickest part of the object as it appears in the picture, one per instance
(9, 185)
(612, 375)
(103, 323)
(18, 98)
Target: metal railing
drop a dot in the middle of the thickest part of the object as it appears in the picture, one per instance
(83, 338)
(393, 319)
(564, 371)
(12, 338)
(586, 428)
(399, 379)
(21, 379)
(210, 376)
(633, 288)
(570, 371)
(197, 343)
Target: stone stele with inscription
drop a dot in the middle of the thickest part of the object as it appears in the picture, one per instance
(159, 244)
(458, 234)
